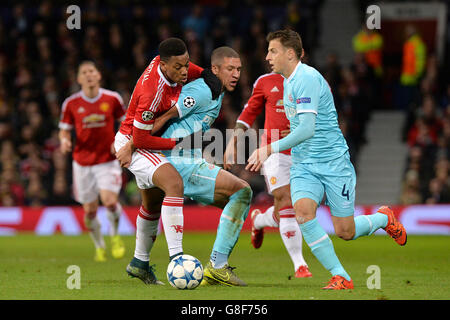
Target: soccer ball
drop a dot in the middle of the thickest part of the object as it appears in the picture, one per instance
(185, 272)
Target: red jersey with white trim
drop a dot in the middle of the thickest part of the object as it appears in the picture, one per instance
(93, 120)
(267, 94)
(152, 96)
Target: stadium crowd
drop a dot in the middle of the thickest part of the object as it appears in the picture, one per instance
(427, 134)
(39, 56)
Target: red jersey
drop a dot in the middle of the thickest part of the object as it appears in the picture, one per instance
(267, 93)
(93, 120)
(152, 96)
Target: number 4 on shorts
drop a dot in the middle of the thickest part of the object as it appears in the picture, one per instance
(345, 193)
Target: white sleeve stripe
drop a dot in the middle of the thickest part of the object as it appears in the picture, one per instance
(263, 76)
(142, 126)
(180, 112)
(65, 126)
(158, 90)
(307, 110)
(114, 94)
(244, 123)
(158, 96)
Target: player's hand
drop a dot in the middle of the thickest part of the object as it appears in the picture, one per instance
(285, 132)
(124, 155)
(256, 160)
(66, 145)
(230, 156)
(112, 149)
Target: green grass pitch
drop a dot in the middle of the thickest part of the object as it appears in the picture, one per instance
(35, 267)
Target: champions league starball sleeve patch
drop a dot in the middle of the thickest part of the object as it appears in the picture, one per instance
(189, 102)
(147, 115)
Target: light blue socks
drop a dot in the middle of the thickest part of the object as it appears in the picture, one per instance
(365, 225)
(230, 225)
(322, 247)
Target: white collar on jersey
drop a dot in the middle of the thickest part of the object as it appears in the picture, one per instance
(295, 71)
(164, 78)
(94, 99)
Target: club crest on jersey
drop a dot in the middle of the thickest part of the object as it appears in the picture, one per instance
(147, 115)
(104, 106)
(189, 102)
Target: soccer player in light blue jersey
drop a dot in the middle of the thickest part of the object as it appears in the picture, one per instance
(195, 111)
(321, 162)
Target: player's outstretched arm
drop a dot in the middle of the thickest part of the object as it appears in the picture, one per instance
(252, 109)
(162, 120)
(230, 155)
(304, 131)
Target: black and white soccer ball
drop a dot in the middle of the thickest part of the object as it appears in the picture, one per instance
(185, 272)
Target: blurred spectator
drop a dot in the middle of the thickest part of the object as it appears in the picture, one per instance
(370, 43)
(439, 192)
(413, 65)
(332, 71)
(414, 57)
(422, 134)
(197, 22)
(411, 189)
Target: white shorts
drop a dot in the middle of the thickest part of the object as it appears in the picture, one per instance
(276, 171)
(143, 164)
(89, 180)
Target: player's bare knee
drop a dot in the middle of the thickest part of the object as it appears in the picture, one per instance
(90, 212)
(305, 210)
(90, 209)
(174, 188)
(345, 234)
(282, 201)
(240, 184)
(302, 215)
(110, 203)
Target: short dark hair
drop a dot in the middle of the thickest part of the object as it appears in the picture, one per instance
(220, 53)
(89, 62)
(289, 39)
(171, 47)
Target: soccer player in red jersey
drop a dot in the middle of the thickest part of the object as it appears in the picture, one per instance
(268, 95)
(156, 91)
(92, 113)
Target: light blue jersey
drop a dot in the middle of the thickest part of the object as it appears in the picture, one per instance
(306, 90)
(197, 111)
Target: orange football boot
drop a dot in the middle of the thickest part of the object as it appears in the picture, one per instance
(257, 234)
(339, 283)
(303, 272)
(394, 228)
